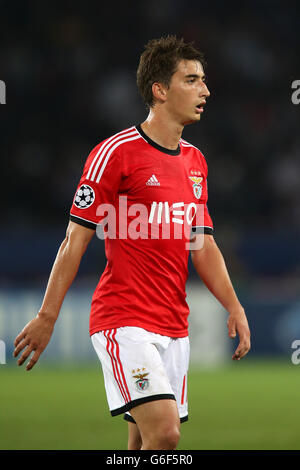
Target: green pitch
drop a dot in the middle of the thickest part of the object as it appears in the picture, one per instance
(242, 406)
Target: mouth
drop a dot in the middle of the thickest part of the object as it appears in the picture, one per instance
(200, 107)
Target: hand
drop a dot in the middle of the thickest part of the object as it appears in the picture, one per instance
(237, 323)
(34, 337)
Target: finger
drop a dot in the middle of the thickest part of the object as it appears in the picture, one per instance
(33, 360)
(21, 346)
(240, 352)
(236, 356)
(19, 337)
(25, 355)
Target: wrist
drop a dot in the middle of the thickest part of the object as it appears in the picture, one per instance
(236, 310)
(48, 317)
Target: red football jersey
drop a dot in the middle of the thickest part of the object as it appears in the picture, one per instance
(146, 199)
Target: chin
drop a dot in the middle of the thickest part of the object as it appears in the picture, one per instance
(192, 120)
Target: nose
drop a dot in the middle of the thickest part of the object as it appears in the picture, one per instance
(205, 90)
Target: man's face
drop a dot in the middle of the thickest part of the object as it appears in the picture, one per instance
(187, 92)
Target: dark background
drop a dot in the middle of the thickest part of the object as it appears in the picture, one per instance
(69, 69)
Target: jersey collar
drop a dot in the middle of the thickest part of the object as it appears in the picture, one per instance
(155, 145)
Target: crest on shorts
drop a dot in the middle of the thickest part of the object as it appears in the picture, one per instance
(142, 383)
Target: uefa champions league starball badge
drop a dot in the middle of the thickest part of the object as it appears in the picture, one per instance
(84, 197)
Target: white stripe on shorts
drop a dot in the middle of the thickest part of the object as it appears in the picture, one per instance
(116, 363)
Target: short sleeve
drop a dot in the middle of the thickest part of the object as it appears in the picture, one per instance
(98, 185)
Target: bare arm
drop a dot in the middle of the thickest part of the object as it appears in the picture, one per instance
(37, 333)
(210, 266)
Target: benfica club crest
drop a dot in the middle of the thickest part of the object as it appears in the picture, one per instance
(142, 383)
(197, 188)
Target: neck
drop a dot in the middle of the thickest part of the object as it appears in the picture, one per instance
(162, 130)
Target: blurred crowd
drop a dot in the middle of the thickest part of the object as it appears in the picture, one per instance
(69, 69)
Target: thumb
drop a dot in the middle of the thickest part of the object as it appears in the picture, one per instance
(231, 329)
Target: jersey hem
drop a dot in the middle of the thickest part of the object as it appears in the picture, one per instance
(140, 401)
(159, 331)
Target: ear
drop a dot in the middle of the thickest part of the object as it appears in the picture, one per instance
(159, 92)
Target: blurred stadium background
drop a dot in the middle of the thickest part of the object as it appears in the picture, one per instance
(69, 69)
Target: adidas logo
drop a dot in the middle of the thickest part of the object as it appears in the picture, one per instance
(153, 181)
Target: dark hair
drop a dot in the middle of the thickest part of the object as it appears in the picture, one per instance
(159, 62)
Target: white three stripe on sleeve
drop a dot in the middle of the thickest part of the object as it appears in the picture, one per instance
(103, 147)
(136, 136)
